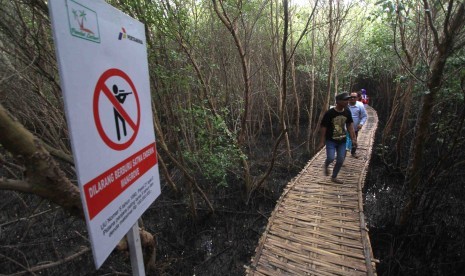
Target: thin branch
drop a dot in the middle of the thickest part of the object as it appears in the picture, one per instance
(430, 22)
(402, 60)
(446, 20)
(15, 185)
(273, 160)
(27, 218)
(304, 32)
(27, 270)
(57, 263)
(59, 154)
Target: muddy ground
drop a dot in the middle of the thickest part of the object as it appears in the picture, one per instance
(35, 236)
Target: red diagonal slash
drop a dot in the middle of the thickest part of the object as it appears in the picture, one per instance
(118, 106)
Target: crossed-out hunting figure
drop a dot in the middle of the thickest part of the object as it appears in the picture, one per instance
(121, 97)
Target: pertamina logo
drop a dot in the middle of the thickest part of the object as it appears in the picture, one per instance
(123, 35)
(83, 22)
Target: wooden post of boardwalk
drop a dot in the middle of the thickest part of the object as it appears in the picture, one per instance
(103, 65)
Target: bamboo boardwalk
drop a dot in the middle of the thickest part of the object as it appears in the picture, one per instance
(318, 227)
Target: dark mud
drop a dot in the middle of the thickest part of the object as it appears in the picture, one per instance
(433, 240)
(35, 236)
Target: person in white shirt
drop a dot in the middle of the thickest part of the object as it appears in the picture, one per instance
(359, 115)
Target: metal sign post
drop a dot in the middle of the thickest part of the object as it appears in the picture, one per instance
(135, 251)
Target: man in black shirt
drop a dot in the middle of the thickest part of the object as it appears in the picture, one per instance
(333, 134)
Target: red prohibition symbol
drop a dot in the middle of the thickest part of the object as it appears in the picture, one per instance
(116, 98)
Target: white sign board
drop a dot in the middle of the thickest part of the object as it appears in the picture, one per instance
(103, 66)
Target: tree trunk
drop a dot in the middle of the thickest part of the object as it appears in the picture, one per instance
(311, 135)
(282, 114)
(444, 47)
(407, 105)
(43, 175)
(331, 44)
(232, 28)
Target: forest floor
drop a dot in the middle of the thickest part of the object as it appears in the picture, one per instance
(35, 236)
(433, 240)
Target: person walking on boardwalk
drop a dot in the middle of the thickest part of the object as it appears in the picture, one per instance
(365, 98)
(333, 134)
(359, 115)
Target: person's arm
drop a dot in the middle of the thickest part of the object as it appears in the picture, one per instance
(322, 136)
(363, 117)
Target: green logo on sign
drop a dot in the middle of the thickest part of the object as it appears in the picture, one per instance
(83, 22)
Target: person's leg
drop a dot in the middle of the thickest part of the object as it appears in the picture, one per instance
(330, 154)
(341, 153)
(354, 149)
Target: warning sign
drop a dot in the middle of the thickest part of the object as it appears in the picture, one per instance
(107, 187)
(118, 90)
(106, 91)
(103, 189)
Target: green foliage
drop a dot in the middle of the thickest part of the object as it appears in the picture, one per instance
(376, 51)
(304, 68)
(386, 9)
(215, 152)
